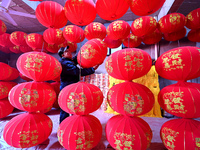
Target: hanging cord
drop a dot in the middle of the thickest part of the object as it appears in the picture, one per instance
(129, 40)
(80, 61)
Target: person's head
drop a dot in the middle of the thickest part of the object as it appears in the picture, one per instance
(65, 52)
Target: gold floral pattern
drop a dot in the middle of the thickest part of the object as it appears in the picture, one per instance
(28, 138)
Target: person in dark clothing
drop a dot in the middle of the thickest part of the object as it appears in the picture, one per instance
(70, 72)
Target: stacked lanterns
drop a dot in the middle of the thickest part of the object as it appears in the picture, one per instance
(32, 128)
(129, 99)
(82, 130)
(180, 99)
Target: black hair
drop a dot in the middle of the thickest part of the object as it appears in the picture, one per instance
(61, 50)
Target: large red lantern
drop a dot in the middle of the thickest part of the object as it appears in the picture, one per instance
(39, 66)
(5, 40)
(112, 9)
(14, 74)
(174, 36)
(171, 22)
(112, 43)
(119, 29)
(152, 38)
(145, 7)
(53, 36)
(194, 35)
(3, 27)
(5, 88)
(181, 99)
(143, 26)
(80, 132)
(27, 130)
(15, 49)
(18, 38)
(131, 99)
(80, 12)
(5, 108)
(92, 53)
(132, 41)
(73, 33)
(123, 132)
(193, 19)
(32, 96)
(80, 98)
(5, 70)
(51, 14)
(128, 64)
(180, 134)
(95, 30)
(35, 40)
(180, 63)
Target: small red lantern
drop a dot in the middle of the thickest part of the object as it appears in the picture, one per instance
(112, 43)
(56, 87)
(25, 48)
(53, 48)
(112, 9)
(14, 74)
(171, 22)
(152, 38)
(181, 99)
(3, 27)
(179, 63)
(95, 30)
(72, 46)
(5, 40)
(51, 14)
(131, 99)
(80, 98)
(15, 49)
(5, 108)
(27, 130)
(5, 70)
(5, 88)
(18, 38)
(132, 41)
(53, 36)
(194, 35)
(174, 36)
(73, 33)
(128, 64)
(80, 12)
(123, 132)
(180, 134)
(145, 7)
(5, 49)
(92, 53)
(119, 29)
(35, 40)
(24, 77)
(39, 66)
(79, 132)
(143, 26)
(193, 19)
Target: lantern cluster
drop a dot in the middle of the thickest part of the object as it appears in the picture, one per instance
(180, 99)
(82, 130)
(129, 99)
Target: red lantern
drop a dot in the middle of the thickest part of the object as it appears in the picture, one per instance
(32, 96)
(24, 77)
(15, 49)
(27, 130)
(5, 88)
(56, 87)
(5, 108)
(112, 43)
(132, 41)
(174, 36)
(119, 29)
(73, 33)
(5, 49)
(95, 30)
(35, 40)
(72, 46)
(80, 98)
(128, 64)
(53, 48)
(112, 9)
(180, 134)
(80, 12)
(123, 132)
(171, 22)
(131, 99)
(194, 35)
(193, 19)
(152, 38)
(143, 26)
(25, 48)
(180, 63)
(5, 70)
(14, 74)
(80, 132)
(92, 53)
(53, 36)
(145, 7)
(5, 40)
(3, 27)
(181, 99)
(39, 66)
(51, 14)
(18, 38)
